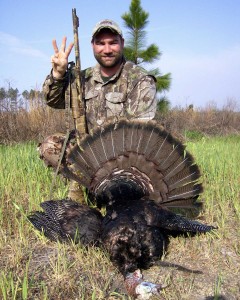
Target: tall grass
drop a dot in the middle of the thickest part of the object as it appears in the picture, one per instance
(218, 159)
(33, 268)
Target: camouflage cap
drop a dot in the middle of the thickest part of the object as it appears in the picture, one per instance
(106, 24)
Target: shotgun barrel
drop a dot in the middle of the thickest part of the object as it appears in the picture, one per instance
(78, 106)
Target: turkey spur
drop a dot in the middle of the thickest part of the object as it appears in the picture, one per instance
(138, 172)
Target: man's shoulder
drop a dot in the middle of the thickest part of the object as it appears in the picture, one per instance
(133, 68)
(87, 72)
(135, 73)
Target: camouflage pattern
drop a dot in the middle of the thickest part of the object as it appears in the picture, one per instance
(107, 24)
(129, 93)
(50, 151)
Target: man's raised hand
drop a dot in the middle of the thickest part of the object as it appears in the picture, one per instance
(60, 58)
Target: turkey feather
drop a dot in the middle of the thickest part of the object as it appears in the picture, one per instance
(139, 173)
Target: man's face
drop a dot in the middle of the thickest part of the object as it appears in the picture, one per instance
(108, 48)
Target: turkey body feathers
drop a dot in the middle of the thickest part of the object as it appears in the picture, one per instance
(134, 234)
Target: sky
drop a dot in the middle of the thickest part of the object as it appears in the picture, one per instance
(199, 42)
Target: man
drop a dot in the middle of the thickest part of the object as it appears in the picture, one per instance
(113, 89)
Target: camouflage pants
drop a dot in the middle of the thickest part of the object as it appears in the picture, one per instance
(50, 151)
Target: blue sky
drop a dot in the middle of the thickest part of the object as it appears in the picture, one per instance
(199, 41)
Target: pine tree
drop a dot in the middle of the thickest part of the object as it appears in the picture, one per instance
(135, 50)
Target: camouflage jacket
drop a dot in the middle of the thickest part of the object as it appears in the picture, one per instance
(130, 93)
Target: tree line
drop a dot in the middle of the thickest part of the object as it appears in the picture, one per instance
(24, 115)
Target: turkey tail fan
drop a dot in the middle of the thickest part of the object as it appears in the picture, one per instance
(136, 153)
(66, 219)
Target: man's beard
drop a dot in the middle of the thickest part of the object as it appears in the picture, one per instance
(110, 64)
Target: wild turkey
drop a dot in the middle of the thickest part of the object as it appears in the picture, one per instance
(138, 172)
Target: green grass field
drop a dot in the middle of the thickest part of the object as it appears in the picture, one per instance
(202, 267)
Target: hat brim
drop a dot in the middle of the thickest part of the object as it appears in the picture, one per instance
(114, 30)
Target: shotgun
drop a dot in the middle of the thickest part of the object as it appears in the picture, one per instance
(78, 106)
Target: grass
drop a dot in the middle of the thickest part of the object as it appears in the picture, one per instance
(201, 267)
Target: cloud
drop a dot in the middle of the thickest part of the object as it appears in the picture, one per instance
(13, 44)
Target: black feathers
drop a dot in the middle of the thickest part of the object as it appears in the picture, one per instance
(65, 219)
(137, 171)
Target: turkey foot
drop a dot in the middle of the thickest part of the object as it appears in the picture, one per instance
(140, 289)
